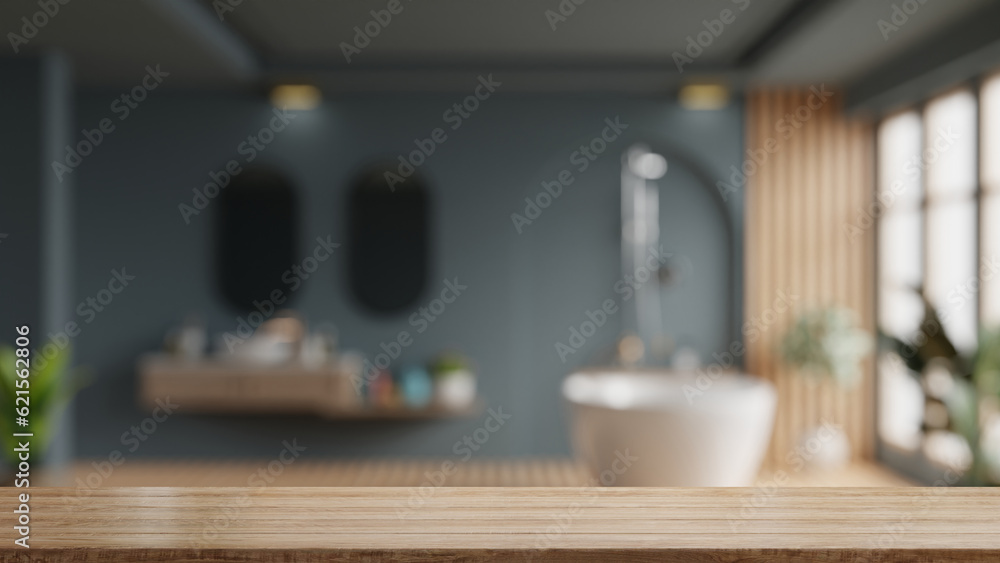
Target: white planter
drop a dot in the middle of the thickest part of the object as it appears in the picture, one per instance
(455, 389)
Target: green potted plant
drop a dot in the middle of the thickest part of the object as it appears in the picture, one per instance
(972, 399)
(50, 390)
(976, 410)
(827, 344)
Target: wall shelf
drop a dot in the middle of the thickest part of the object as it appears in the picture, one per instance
(214, 386)
(405, 413)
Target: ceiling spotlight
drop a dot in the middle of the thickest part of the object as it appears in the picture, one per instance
(704, 96)
(296, 97)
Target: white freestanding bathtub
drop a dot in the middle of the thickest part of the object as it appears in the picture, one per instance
(670, 429)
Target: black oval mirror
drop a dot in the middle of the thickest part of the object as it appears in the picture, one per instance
(256, 236)
(388, 240)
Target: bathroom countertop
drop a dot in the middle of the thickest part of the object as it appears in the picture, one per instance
(481, 524)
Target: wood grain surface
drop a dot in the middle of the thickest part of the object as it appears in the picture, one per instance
(483, 524)
(219, 386)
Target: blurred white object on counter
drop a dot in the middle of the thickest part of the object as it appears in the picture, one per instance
(277, 340)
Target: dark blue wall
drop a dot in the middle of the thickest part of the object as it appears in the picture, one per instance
(21, 165)
(524, 290)
(36, 284)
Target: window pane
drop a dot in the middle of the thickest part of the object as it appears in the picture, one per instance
(900, 403)
(899, 312)
(951, 268)
(950, 145)
(990, 100)
(899, 160)
(990, 267)
(900, 260)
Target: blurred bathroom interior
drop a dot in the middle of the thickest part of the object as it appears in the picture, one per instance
(678, 243)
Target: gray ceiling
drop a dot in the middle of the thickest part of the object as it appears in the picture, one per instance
(456, 31)
(845, 42)
(771, 41)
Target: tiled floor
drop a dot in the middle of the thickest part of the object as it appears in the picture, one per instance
(404, 473)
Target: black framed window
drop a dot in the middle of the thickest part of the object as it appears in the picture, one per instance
(938, 250)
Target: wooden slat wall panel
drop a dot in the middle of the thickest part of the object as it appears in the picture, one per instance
(819, 180)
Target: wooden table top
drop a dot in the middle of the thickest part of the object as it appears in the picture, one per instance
(478, 524)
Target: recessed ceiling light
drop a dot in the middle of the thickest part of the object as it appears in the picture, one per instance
(704, 96)
(295, 96)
